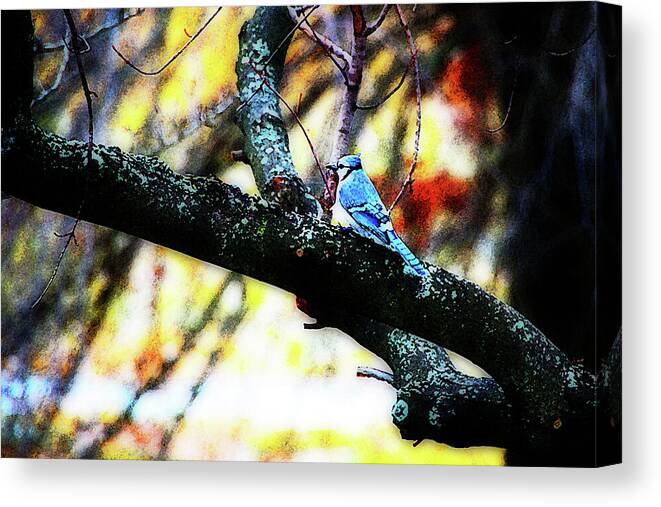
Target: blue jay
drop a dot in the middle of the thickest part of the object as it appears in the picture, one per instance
(358, 206)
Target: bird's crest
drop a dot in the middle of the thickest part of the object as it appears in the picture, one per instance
(352, 161)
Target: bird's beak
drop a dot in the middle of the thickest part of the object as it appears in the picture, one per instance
(331, 166)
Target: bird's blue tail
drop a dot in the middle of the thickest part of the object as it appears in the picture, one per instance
(409, 258)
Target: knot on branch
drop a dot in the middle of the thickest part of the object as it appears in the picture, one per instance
(437, 401)
(290, 193)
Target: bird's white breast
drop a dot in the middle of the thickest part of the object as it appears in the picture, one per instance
(341, 217)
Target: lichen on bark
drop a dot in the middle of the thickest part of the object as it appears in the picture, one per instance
(263, 43)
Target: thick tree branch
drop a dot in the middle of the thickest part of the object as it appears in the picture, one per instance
(209, 220)
(434, 399)
(17, 60)
(260, 117)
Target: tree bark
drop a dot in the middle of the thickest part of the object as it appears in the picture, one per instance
(354, 79)
(259, 116)
(215, 222)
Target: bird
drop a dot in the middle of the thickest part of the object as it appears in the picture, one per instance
(359, 207)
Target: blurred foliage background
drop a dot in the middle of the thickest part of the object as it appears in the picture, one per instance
(137, 351)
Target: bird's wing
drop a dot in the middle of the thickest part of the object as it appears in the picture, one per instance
(373, 219)
(362, 202)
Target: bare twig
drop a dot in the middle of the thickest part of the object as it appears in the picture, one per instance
(71, 235)
(49, 48)
(284, 40)
(383, 376)
(329, 54)
(322, 40)
(174, 57)
(509, 104)
(510, 41)
(298, 120)
(45, 92)
(418, 120)
(379, 20)
(392, 92)
(574, 49)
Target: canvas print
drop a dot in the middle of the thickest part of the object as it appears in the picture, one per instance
(313, 233)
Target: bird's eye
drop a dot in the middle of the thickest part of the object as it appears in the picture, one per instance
(341, 166)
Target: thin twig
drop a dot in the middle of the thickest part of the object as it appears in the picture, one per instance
(418, 120)
(509, 105)
(379, 20)
(329, 54)
(510, 41)
(298, 120)
(49, 48)
(290, 33)
(174, 57)
(71, 235)
(383, 376)
(391, 92)
(572, 50)
(323, 40)
(45, 92)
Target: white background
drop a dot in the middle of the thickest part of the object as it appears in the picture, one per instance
(637, 482)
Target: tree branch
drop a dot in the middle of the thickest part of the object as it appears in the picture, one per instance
(174, 56)
(260, 117)
(408, 182)
(434, 399)
(354, 79)
(378, 21)
(330, 47)
(214, 222)
(376, 374)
